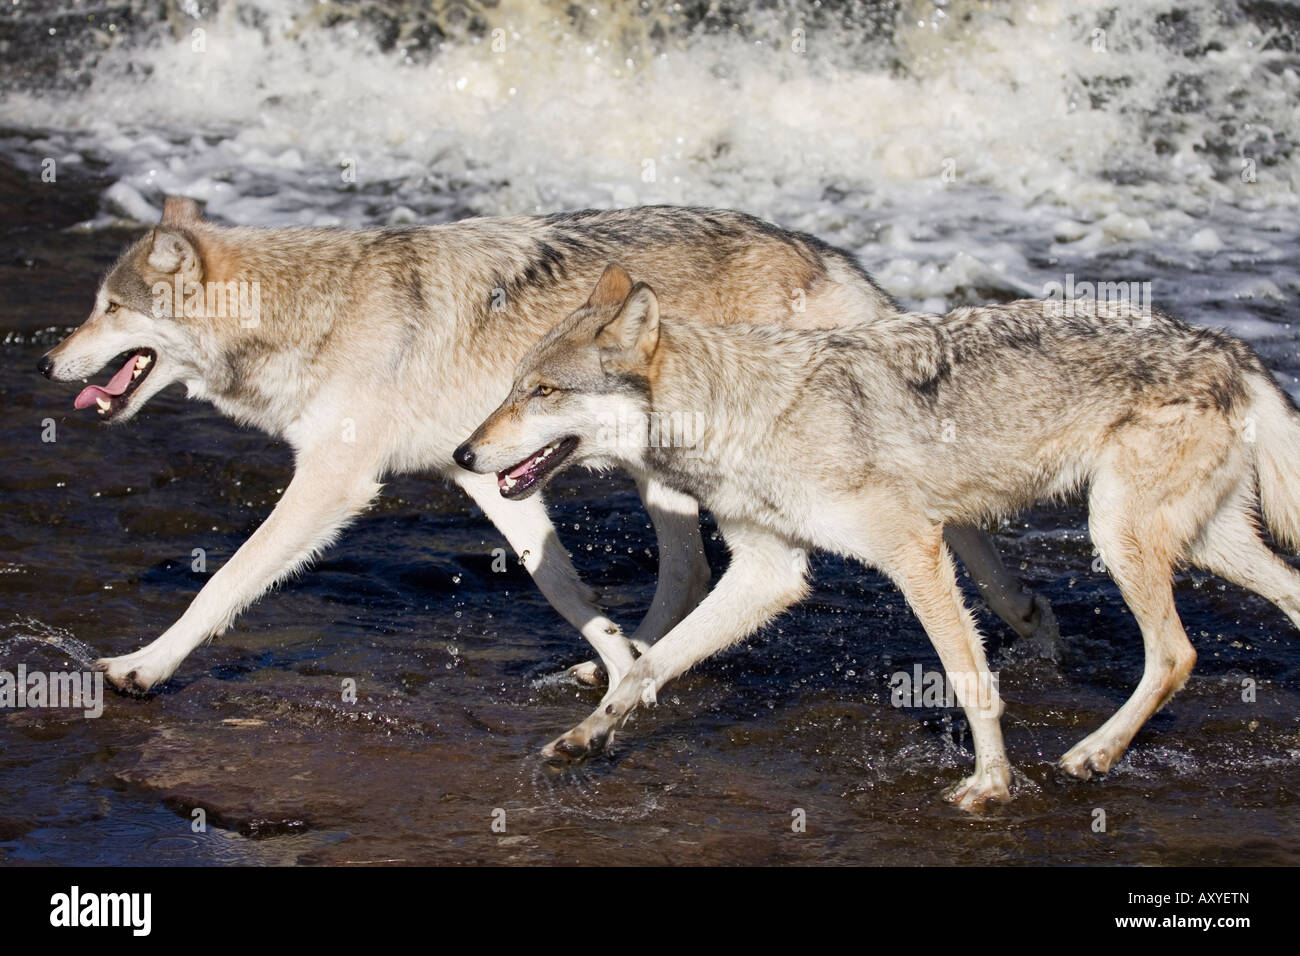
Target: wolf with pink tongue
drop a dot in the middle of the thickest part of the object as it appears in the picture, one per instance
(103, 396)
(378, 350)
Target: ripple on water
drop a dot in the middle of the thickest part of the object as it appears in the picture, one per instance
(593, 789)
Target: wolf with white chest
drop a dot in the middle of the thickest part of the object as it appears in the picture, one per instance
(868, 440)
(373, 351)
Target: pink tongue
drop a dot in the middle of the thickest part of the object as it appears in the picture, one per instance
(519, 470)
(116, 386)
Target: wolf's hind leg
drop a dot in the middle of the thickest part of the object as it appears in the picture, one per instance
(683, 570)
(530, 532)
(1140, 547)
(1028, 614)
(1230, 547)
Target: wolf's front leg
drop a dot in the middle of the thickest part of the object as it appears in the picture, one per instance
(326, 490)
(923, 570)
(766, 575)
(532, 535)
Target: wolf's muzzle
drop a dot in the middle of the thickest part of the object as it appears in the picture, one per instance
(45, 366)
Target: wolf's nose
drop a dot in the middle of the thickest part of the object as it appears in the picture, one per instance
(45, 365)
(464, 456)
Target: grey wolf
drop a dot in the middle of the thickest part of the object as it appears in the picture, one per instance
(867, 440)
(372, 352)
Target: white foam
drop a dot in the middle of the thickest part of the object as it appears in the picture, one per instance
(125, 200)
(967, 153)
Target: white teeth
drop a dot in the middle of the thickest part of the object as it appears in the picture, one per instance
(507, 482)
(104, 404)
(142, 361)
(137, 373)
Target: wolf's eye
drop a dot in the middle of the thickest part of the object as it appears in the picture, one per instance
(544, 390)
(111, 308)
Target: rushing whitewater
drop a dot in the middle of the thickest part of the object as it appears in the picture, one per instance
(962, 149)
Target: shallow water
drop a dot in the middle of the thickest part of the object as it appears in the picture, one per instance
(455, 664)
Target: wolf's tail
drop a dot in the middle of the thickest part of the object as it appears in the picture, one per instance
(1276, 424)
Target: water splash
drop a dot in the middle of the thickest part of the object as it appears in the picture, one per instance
(28, 631)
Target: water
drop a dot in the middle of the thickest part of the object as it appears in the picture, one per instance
(967, 152)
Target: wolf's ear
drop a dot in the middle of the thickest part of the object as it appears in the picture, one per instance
(613, 287)
(632, 336)
(172, 253)
(179, 210)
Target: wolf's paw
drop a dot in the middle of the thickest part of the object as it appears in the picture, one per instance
(578, 744)
(979, 788)
(1087, 757)
(1044, 633)
(133, 674)
(588, 673)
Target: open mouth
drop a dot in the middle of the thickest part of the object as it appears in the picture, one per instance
(113, 396)
(518, 481)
